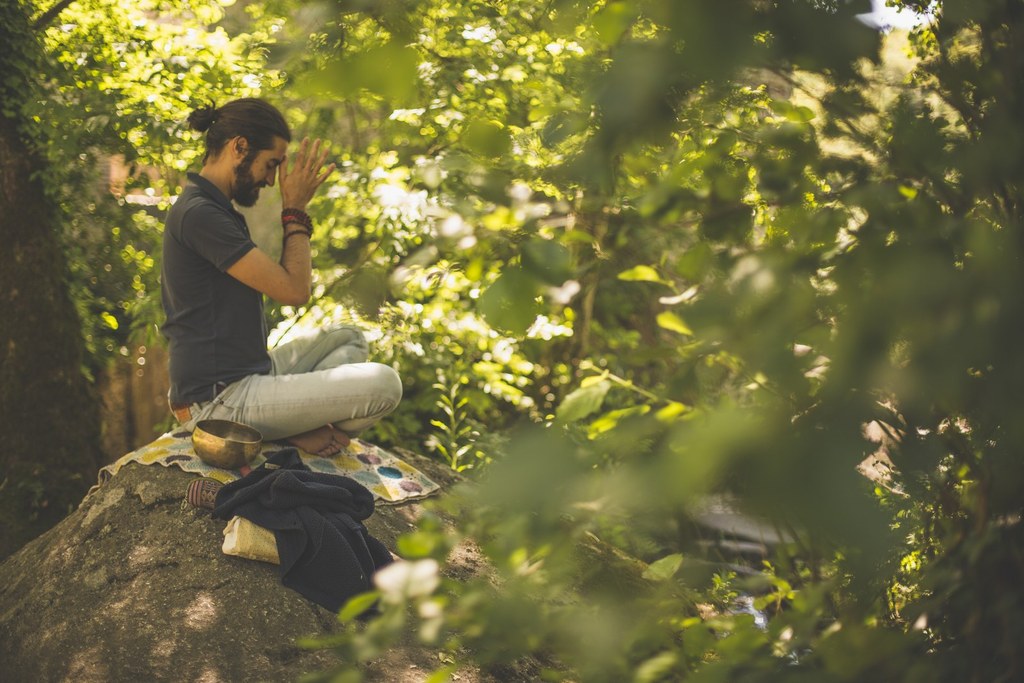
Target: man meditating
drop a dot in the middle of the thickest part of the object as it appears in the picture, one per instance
(313, 391)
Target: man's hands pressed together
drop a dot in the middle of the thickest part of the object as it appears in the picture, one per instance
(300, 184)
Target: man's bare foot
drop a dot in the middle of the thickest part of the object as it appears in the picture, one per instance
(323, 441)
(340, 437)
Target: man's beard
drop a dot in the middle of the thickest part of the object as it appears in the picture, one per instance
(247, 190)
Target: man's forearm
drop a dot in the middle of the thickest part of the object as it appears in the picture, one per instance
(295, 256)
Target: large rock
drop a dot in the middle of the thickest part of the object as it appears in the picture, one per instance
(133, 586)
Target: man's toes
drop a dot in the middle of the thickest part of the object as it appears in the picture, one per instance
(340, 437)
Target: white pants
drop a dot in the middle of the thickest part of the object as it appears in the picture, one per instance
(318, 379)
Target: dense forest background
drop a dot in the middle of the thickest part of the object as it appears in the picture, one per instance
(627, 256)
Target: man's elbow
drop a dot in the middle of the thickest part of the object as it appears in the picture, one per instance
(299, 297)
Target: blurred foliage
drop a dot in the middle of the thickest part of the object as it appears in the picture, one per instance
(753, 251)
(119, 81)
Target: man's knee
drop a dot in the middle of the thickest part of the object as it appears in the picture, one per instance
(341, 334)
(341, 345)
(391, 386)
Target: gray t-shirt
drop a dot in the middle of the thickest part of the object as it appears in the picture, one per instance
(215, 328)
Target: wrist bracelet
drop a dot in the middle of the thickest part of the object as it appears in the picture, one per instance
(293, 233)
(296, 216)
(302, 215)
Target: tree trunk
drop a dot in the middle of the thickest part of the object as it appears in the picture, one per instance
(48, 418)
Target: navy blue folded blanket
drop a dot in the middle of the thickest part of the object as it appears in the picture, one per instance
(326, 553)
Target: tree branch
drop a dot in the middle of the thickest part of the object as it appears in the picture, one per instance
(44, 19)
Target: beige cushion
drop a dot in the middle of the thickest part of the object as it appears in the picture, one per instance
(242, 538)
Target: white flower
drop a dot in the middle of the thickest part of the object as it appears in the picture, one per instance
(544, 329)
(564, 294)
(430, 609)
(484, 34)
(454, 226)
(400, 581)
(520, 192)
(407, 115)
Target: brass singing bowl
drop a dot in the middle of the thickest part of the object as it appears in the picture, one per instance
(226, 444)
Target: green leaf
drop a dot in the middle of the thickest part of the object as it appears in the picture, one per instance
(665, 568)
(791, 112)
(442, 675)
(641, 274)
(611, 419)
(358, 604)
(583, 402)
(416, 545)
(487, 138)
(908, 192)
(671, 411)
(611, 22)
(347, 676)
(694, 263)
(548, 259)
(671, 321)
(389, 70)
(368, 289)
(656, 668)
(562, 125)
(577, 236)
(510, 303)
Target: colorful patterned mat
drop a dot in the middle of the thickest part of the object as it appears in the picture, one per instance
(389, 479)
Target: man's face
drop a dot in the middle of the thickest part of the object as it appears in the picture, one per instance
(257, 171)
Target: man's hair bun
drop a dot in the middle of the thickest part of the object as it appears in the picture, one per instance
(202, 118)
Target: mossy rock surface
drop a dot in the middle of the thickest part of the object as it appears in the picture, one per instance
(132, 586)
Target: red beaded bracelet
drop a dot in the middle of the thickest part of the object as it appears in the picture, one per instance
(296, 216)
